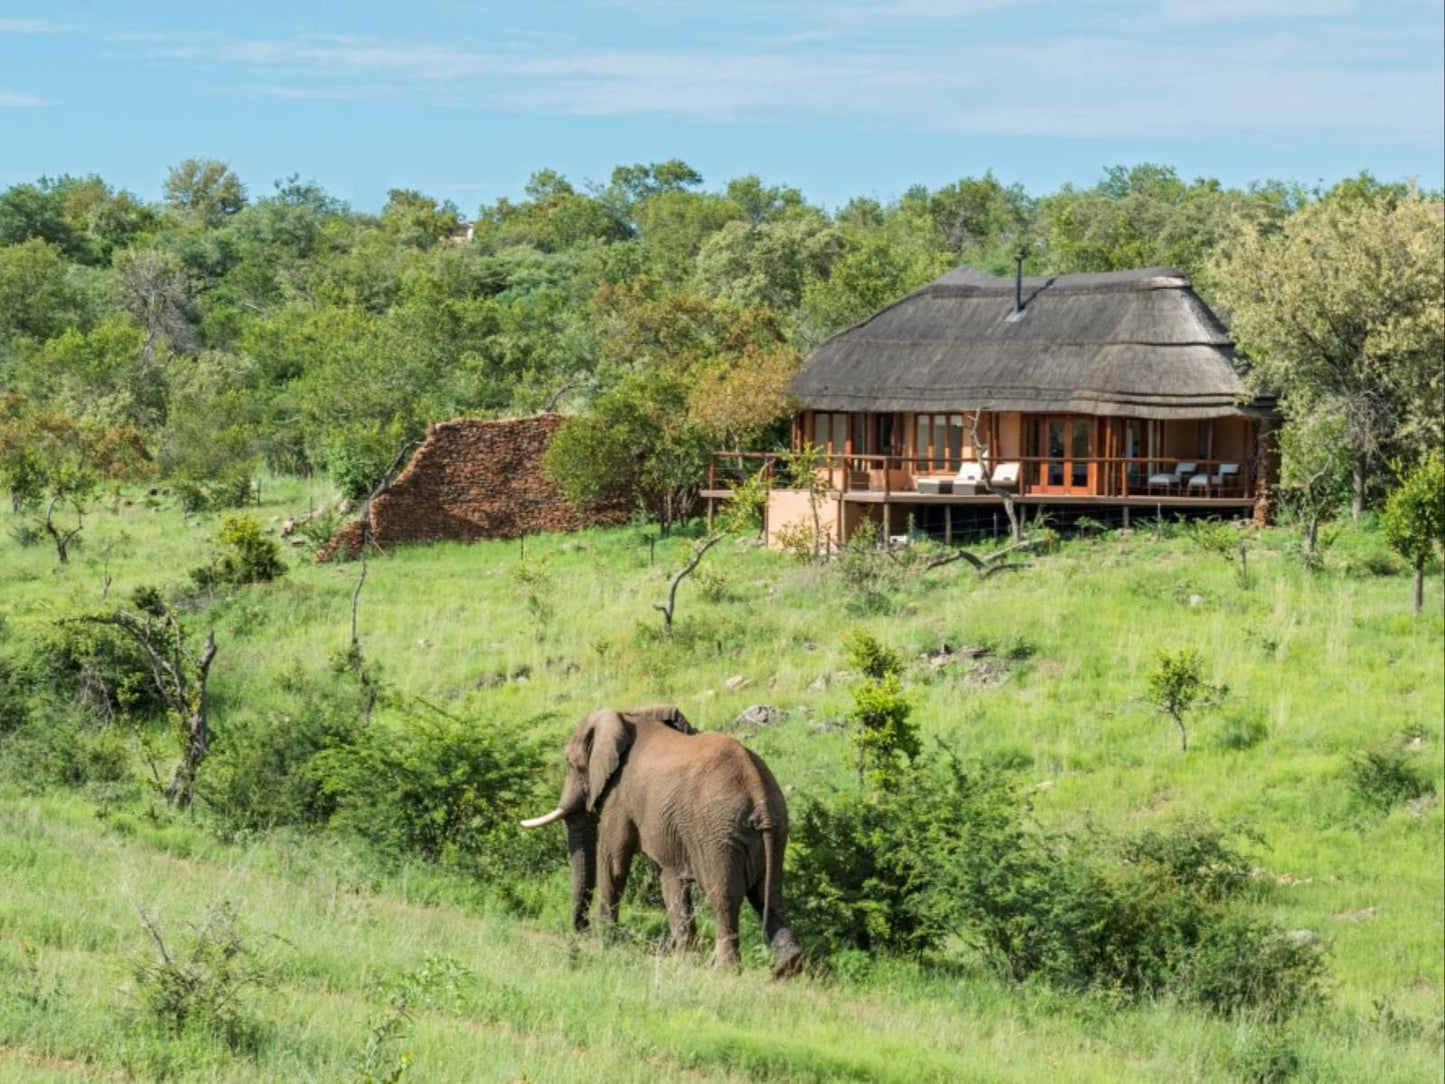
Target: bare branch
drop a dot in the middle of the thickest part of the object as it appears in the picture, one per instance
(668, 608)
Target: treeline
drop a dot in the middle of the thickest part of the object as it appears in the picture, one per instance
(219, 333)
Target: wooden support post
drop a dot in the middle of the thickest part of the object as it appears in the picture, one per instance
(948, 524)
(1126, 517)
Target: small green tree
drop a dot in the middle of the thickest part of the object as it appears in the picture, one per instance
(1414, 521)
(881, 709)
(243, 554)
(1177, 687)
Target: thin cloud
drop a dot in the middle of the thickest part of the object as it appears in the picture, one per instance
(14, 99)
(1196, 11)
(1296, 84)
(29, 26)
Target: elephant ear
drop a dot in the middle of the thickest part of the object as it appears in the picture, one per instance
(610, 739)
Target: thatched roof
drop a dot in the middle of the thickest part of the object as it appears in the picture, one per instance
(1136, 343)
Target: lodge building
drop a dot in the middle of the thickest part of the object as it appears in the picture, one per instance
(1116, 390)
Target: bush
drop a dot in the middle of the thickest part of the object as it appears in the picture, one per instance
(436, 788)
(1246, 964)
(97, 669)
(47, 752)
(263, 771)
(232, 490)
(199, 983)
(944, 853)
(1384, 775)
(242, 555)
(866, 571)
(863, 870)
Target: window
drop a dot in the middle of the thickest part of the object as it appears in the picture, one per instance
(1205, 448)
(830, 432)
(940, 441)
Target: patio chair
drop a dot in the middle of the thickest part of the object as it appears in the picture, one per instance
(1227, 475)
(968, 477)
(1006, 475)
(1175, 478)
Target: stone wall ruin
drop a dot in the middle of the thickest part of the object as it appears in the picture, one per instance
(473, 479)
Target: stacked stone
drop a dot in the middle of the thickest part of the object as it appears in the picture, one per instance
(471, 479)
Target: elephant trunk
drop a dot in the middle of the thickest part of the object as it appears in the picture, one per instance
(582, 853)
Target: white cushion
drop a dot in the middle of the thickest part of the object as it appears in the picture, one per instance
(1006, 474)
(969, 472)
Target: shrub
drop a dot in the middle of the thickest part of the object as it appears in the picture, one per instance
(263, 771)
(885, 733)
(436, 788)
(1384, 775)
(200, 982)
(944, 852)
(1245, 964)
(864, 869)
(242, 555)
(866, 571)
(97, 669)
(231, 490)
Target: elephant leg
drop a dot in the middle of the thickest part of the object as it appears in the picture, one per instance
(726, 909)
(614, 863)
(677, 895)
(787, 953)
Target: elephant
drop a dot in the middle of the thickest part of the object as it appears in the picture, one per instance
(702, 806)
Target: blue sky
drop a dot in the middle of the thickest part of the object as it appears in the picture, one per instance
(837, 97)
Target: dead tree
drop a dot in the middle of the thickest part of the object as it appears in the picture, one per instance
(62, 538)
(669, 607)
(987, 565)
(180, 676)
(986, 465)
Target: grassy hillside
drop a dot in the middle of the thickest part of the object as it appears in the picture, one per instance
(372, 962)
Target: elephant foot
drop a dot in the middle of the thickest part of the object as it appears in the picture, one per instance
(788, 963)
(787, 954)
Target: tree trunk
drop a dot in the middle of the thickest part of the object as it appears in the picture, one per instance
(1359, 475)
(1419, 586)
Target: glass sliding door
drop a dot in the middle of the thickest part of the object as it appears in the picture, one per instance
(1064, 448)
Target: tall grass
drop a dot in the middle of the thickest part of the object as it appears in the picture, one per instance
(1318, 665)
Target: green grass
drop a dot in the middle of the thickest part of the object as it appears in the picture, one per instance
(1326, 662)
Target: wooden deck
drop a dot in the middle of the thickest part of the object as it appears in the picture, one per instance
(908, 496)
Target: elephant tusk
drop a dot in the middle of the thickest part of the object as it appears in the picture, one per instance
(545, 819)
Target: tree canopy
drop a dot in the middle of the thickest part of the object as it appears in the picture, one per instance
(219, 330)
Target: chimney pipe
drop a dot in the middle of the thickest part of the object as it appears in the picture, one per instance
(1018, 284)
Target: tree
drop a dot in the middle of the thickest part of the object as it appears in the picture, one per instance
(203, 191)
(1314, 472)
(38, 294)
(152, 286)
(885, 733)
(1177, 686)
(179, 671)
(1343, 308)
(416, 219)
(669, 608)
(1414, 522)
(768, 264)
(1146, 216)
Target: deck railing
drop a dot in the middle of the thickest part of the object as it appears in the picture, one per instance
(1100, 476)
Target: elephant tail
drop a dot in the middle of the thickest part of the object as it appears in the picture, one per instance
(769, 858)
